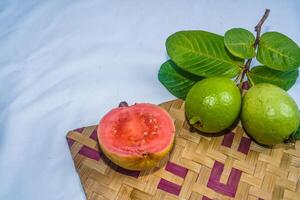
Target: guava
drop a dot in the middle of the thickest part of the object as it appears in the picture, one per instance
(136, 137)
(213, 104)
(269, 115)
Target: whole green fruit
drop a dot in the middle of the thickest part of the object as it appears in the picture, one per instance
(213, 104)
(269, 114)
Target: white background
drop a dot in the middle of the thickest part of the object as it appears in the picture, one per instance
(64, 63)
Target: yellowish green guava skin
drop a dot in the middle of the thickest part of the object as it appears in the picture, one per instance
(134, 162)
(213, 104)
(269, 114)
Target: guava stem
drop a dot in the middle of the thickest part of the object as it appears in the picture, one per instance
(123, 104)
(195, 120)
(257, 38)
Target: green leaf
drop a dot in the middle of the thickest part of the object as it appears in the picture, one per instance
(279, 52)
(293, 137)
(296, 135)
(175, 80)
(203, 54)
(263, 74)
(240, 42)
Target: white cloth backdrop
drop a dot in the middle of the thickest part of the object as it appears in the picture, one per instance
(64, 63)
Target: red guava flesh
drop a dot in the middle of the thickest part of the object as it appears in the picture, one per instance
(136, 137)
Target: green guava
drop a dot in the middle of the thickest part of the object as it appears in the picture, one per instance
(213, 104)
(269, 115)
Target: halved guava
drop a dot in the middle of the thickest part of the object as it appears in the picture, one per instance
(136, 137)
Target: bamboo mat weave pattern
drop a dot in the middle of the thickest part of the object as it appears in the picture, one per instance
(230, 166)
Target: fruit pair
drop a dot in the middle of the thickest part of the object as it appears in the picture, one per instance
(268, 114)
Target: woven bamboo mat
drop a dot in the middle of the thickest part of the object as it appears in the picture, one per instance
(199, 167)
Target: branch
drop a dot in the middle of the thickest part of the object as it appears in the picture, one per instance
(257, 30)
(258, 27)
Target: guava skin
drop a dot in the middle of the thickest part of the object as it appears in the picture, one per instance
(269, 114)
(213, 104)
(137, 163)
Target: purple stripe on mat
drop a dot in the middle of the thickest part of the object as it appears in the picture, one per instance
(176, 169)
(70, 142)
(205, 198)
(79, 129)
(169, 187)
(230, 187)
(245, 85)
(228, 139)
(216, 171)
(94, 135)
(90, 153)
(244, 145)
(127, 172)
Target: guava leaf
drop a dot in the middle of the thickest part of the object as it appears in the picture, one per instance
(203, 54)
(177, 81)
(263, 74)
(297, 134)
(240, 42)
(279, 52)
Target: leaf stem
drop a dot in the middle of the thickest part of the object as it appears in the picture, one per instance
(257, 30)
